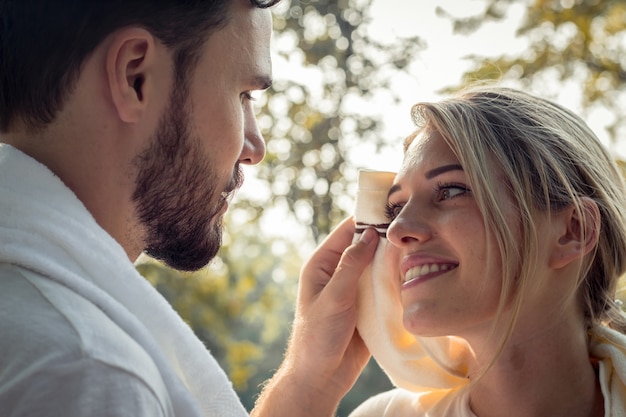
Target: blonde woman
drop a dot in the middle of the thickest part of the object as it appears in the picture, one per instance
(506, 240)
(491, 289)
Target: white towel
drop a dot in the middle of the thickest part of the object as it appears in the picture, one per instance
(432, 368)
(46, 229)
(410, 362)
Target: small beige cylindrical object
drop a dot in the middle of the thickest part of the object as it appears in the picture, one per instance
(371, 198)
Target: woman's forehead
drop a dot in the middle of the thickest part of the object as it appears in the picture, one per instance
(428, 148)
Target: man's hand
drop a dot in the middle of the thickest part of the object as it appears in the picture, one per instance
(325, 354)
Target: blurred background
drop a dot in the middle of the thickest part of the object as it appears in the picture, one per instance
(346, 73)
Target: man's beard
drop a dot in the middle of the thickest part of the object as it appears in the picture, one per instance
(176, 196)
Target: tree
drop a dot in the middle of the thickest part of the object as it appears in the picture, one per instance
(578, 44)
(315, 115)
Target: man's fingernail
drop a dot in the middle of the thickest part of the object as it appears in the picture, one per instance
(367, 236)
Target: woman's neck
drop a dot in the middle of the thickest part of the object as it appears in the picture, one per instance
(546, 374)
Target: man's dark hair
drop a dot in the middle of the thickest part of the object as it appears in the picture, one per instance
(43, 44)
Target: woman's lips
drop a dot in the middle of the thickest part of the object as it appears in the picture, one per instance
(417, 267)
(426, 270)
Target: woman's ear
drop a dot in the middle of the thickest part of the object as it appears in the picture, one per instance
(576, 231)
(130, 59)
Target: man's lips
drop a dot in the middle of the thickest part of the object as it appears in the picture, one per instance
(235, 184)
(228, 195)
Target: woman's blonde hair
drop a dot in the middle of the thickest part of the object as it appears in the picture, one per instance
(549, 159)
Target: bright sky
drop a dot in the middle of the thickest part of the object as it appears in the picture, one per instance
(441, 64)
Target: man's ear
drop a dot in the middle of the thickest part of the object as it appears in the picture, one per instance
(129, 60)
(577, 232)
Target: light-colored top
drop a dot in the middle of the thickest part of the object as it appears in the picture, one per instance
(403, 403)
(81, 332)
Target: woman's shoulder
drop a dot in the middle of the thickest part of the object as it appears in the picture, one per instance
(400, 403)
(381, 404)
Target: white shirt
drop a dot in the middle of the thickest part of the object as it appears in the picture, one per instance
(81, 332)
(62, 356)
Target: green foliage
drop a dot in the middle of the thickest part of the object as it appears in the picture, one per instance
(581, 41)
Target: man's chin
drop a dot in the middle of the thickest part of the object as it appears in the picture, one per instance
(188, 256)
(185, 262)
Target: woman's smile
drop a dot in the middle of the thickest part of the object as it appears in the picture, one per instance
(426, 271)
(435, 227)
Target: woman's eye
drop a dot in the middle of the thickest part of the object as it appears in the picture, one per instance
(392, 210)
(449, 191)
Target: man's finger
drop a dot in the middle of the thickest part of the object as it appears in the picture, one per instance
(317, 271)
(351, 266)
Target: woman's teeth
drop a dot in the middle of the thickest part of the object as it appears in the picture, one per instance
(421, 270)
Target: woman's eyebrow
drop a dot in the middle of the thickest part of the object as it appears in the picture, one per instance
(393, 189)
(440, 170)
(429, 175)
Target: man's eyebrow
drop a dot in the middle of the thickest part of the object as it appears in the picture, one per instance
(430, 175)
(263, 82)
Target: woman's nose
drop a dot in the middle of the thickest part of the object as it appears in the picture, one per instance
(409, 227)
